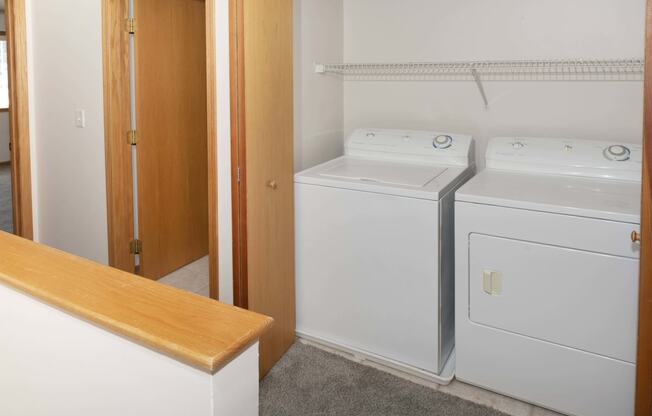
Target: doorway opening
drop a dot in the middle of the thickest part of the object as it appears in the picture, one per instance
(160, 140)
(15, 176)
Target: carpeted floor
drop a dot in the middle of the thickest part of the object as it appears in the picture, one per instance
(6, 219)
(312, 382)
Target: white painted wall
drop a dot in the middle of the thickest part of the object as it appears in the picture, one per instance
(4, 118)
(441, 30)
(318, 121)
(224, 223)
(68, 162)
(56, 364)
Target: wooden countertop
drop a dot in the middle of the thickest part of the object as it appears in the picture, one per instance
(199, 331)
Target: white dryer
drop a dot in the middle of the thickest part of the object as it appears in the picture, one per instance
(547, 275)
(374, 248)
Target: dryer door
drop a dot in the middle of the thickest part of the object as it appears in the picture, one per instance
(575, 298)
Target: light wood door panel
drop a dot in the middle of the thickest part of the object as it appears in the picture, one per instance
(268, 115)
(170, 48)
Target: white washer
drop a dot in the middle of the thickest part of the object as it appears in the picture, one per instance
(547, 275)
(374, 248)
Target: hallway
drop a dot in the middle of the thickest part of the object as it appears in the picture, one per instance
(6, 218)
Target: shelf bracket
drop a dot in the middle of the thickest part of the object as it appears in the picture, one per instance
(478, 82)
(320, 68)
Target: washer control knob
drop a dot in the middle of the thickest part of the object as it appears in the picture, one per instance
(518, 145)
(371, 135)
(442, 142)
(617, 152)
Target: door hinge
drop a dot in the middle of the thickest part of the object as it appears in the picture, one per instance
(131, 25)
(132, 137)
(238, 174)
(135, 246)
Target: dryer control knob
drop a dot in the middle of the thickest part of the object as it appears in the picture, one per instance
(617, 152)
(442, 142)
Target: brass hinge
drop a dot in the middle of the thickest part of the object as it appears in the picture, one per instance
(131, 25)
(132, 137)
(135, 246)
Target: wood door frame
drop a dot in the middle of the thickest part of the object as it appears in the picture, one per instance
(117, 121)
(21, 168)
(238, 155)
(644, 351)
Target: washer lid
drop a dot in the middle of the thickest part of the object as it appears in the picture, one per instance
(415, 176)
(414, 180)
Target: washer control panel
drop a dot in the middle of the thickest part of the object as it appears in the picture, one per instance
(590, 158)
(411, 145)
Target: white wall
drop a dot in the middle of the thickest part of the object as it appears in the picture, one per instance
(224, 226)
(318, 121)
(68, 162)
(4, 118)
(56, 364)
(441, 30)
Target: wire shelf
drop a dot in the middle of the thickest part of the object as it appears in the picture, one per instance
(541, 70)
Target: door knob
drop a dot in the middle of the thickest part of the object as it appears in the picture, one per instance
(272, 184)
(636, 237)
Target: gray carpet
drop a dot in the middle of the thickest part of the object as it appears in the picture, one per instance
(312, 382)
(6, 218)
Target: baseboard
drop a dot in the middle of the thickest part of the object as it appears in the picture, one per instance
(383, 364)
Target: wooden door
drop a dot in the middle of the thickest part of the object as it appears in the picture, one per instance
(262, 101)
(644, 354)
(172, 170)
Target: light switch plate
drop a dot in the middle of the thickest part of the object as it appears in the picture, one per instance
(80, 118)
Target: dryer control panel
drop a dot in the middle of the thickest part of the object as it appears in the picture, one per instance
(590, 158)
(411, 146)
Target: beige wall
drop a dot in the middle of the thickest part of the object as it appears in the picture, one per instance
(441, 30)
(65, 74)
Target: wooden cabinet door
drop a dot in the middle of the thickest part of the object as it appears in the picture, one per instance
(170, 67)
(265, 100)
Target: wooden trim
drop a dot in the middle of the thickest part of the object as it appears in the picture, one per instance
(644, 351)
(6, 163)
(238, 155)
(188, 327)
(21, 177)
(4, 110)
(117, 122)
(211, 115)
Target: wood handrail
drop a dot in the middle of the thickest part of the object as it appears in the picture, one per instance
(190, 328)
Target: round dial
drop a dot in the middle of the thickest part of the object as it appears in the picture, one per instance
(518, 145)
(442, 142)
(617, 152)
